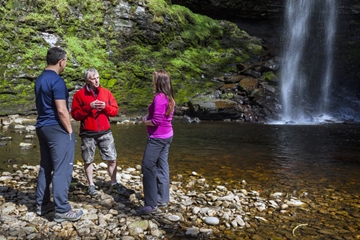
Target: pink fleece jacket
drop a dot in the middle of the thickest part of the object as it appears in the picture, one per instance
(157, 114)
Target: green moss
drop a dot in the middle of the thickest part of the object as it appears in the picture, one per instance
(191, 47)
(111, 83)
(269, 76)
(255, 49)
(157, 7)
(35, 18)
(90, 53)
(256, 93)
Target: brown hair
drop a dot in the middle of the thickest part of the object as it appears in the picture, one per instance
(163, 84)
(54, 55)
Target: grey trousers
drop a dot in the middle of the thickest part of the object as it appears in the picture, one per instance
(56, 166)
(155, 169)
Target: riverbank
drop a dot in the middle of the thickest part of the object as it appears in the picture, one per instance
(232, 194)
(196, 209)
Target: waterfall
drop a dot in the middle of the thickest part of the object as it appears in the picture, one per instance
(307, 59)
(330, 23)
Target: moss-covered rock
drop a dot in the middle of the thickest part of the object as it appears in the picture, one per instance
(125, 40)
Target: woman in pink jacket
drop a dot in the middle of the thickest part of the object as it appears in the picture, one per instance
(155, 166)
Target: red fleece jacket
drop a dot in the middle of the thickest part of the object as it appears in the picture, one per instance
(93, 120)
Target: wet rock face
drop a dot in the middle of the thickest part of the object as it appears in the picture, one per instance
(265, 19)
(125, 29)
(236, 8)
(259, 18)
(250, 95)
(260, 9)
(262, 18)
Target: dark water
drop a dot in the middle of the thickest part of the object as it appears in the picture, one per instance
(280, 157)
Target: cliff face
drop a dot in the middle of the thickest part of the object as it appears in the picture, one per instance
(125, 40)
(260, 18)
(260, 9)
(265, 19)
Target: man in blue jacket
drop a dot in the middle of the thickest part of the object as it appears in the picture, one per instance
(56, 139)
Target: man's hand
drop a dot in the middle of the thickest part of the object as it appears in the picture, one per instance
(98, 105)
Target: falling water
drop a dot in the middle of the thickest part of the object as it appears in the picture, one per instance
(307, 59)
(330, 23)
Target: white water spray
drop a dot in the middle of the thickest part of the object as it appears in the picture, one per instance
(307, 59)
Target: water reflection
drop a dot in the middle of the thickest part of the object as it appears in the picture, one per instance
(284, 156)
(320, 155)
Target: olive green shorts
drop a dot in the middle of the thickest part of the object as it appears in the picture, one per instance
(106, 146)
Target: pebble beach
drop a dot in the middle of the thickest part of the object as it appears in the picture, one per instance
(197, 210)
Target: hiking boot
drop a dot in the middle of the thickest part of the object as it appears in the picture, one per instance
(147, 210)
(72, 215)
(162, 204)
(117, 188)
(44, 209)
(92, 190)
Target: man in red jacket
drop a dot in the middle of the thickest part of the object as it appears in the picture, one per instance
(93, 105)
